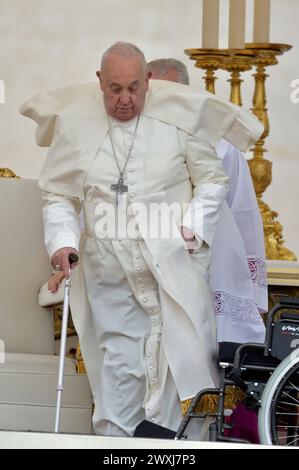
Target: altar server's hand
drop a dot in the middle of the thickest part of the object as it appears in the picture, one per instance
(189, 238)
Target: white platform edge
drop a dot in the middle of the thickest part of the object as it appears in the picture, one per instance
(31, 440)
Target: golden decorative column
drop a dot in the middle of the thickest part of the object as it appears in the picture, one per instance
(260, 168)
(208, 60)
(232, 60)
(236, 62)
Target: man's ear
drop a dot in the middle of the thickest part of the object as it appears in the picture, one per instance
(99, 75)
(148, 76)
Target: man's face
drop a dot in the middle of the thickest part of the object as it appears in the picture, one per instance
(124, 83)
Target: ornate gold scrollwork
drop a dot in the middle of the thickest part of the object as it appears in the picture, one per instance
(208, 403)
(7, 173)
(80, 363)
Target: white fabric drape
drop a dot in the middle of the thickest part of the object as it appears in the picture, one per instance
(238, 279)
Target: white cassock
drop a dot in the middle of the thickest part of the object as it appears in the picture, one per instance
(237, 273)
(141, 307)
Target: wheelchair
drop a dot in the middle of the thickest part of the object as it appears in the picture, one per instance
(267, 373)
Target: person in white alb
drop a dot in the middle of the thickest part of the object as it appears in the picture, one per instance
(143, 314)
(237, 273)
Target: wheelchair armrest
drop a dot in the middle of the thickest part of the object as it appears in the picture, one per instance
(45, 298)
(227, 351)
(239, 356)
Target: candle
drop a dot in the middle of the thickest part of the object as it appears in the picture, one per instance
(237, 14)
(210, 24)
(261, 24)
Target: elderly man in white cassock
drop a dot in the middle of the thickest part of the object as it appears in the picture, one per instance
(237, 272)
(143, 314)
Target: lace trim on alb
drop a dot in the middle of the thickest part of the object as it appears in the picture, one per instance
(236, 308)
(258, 271)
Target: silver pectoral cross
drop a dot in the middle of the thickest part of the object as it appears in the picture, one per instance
(119, 188)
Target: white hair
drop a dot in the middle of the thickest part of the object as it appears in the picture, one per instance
(124, 49)
(162, 66)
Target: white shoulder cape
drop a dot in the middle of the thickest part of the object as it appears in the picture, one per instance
(199, 113)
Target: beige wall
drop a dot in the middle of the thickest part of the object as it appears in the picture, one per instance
(52, 43)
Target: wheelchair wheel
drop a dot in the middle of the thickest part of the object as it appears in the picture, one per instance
(279, 412)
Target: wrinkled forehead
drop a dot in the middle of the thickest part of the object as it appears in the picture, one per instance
(117, 67)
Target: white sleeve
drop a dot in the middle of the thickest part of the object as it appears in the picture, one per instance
(210, 184)
(61, 222)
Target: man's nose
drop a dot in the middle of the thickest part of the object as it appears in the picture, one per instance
(125, 97)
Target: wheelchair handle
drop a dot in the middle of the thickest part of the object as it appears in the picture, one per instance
(290, 302)
(285, 302)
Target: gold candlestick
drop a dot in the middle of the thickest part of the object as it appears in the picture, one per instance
(236, 62)
(208, 60)
(260, 168)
